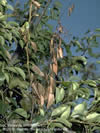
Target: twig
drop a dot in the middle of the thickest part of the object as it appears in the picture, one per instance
(43, 13)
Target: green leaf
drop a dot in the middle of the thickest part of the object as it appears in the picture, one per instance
(96, 128)
(55, 124)
(2, 77)
(98, 61)
(74, 78)
(64, 121)
(93, 117)
(26, 103)
(21, 72)
(3, 2)
(3, 107)
(17, 82)
(80, 58)
(3, 17)
(9, 7)
(59, 110)
(7, 77)
(8, 36)
(5, 53)
(78, 44)
(79, 109)
(97, 35)
(13, 23)
(66, 83)
(66, 113)
(42, 113)
(2, 40)
(17, 70)
(12, 69)
(98, 30)
(75, 85)
(21, 43)
(85, 92)
(59, 94)
(57, 4)
(90, 83)
(21, 112)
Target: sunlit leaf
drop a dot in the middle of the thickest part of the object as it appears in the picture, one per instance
(42, 113)
(64, 121)
(93, 117)
(59, 94)
(66, 113)
(21, 72)
(79, 109)
(21, 112)
(59, 110)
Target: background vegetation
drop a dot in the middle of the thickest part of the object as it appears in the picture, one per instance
(44, 86)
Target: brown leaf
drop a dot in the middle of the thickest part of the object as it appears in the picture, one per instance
(46, 76)
(40, 89)
(25, 38)
(55, 65)
(60, 42)
(51, 67)
(52, 84)
(60, 29)
(58, 56)
(55, 68)
(46, 94)
(37, 4)
(50, 100)
(34, 86)
(37, 70)
(60, 52)
(41, 100)
(51, 46)
(70, 10)
(34, 46)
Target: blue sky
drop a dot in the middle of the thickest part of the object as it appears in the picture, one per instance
(86, 15)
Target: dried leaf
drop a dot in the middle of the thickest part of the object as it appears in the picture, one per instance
(58, 56)
(55, 66)
(34, 46)
(37, 4)
(60, 42)
(50, 100)
(34, 86)
(41, 100)
(51, 46)
(60, 51)
(71, 9)
(52, 83)
(37, 70)
(51, 67)
(40, 89)
(60, 29)
(46, 94)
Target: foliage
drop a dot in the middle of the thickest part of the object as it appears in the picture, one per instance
(39, 87)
